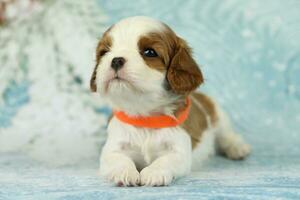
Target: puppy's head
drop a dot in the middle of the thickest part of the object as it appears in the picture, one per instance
(141, 65)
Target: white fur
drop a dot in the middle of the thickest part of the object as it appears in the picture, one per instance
(142, 82)
(160, 154)
(228, 142)
(131, 155)
(205, 149)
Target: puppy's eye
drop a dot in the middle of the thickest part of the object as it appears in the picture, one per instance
(103, 52)
(149, 52)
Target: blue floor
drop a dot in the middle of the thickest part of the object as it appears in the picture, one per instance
(255, 178)
(249, 52)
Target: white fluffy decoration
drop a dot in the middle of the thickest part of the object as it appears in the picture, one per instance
(49, 51)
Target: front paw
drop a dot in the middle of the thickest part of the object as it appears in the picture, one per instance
(124, 176)
(155, 177)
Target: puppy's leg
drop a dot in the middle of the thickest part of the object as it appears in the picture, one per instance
(228, 142)
(117, 167)
(171, 164)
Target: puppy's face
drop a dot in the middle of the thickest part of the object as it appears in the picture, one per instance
(141, 65)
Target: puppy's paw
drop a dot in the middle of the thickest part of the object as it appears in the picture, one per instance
(126, 176)
(155, 177)
(233, 146)
(238, 151)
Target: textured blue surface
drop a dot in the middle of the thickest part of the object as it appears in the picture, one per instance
(14, 97)
(249, 52)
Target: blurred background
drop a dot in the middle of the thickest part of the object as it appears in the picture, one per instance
(249, 52)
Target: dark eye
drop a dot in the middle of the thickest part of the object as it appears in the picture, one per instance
(149, 52)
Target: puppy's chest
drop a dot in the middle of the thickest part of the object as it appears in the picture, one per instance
(145, 144)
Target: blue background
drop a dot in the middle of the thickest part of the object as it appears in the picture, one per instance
(249, 52)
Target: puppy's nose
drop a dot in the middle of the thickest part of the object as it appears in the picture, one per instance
(117, 63)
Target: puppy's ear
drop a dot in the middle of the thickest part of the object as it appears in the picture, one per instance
(103, 46)
(183, 74)
(93, 85)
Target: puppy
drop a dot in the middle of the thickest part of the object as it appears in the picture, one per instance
(160, 128)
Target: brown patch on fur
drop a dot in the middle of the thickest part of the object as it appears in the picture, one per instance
(197, 121)
(174, 56)
(208, 105)
(102, 47)
(160, 43)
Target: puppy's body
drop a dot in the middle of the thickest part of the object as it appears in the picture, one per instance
(163, 154)
(144, 69)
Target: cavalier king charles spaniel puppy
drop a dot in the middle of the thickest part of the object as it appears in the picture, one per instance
(161, 128)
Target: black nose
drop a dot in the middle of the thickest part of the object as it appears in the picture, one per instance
(117, 63)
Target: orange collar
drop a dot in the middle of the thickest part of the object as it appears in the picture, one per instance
(160, 121)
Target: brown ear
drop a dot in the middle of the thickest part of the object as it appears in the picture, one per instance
(93, 85)
(102, 47)
(183, 73)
